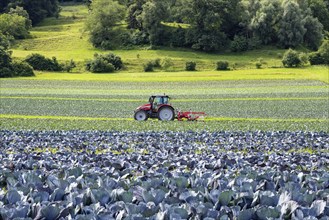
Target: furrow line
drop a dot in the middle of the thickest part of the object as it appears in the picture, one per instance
(174, 100)
(13, 116)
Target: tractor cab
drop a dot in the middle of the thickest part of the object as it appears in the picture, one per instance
(157, 101)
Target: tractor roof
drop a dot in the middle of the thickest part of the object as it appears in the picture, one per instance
(160, 96)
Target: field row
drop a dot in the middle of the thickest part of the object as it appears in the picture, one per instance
(124, 99)
(41, 123)
(178, 91)
(305, 108)
(77, 81)
(164, 175)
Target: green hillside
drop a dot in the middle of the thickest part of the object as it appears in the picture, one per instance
(66, 39)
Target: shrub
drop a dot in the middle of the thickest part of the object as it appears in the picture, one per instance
(321, 56)
(55, 66)
(190, 66)
(167, 63)
(316, 58)
(99, 65)
(68, 66)
(291, 59)
(235, 65)
(8, 68)
(222, 65)
(156, 63)
(148, 67)
(303, 58)
(5, 57)
(106, 63)
(258, 65)
(16, 69)
(22, 69)
(239, 44)
(40, 62)
(6, 72)
(113, 59)
(260, 62)
(324, 51)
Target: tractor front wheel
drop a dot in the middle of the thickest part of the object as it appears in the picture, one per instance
(140, 115)
(166, 114)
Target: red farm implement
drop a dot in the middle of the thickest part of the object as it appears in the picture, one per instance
(159, 107)
(190, 116)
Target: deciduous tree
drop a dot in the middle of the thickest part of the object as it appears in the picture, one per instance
(5, 55)
(313, 35)
(264, 23)
(13, 25)
(291, 29)
(320, 10)
(206, 20)
(154, 12)
(102, 22)
(21, 12)
(133, 16)
(37, 9)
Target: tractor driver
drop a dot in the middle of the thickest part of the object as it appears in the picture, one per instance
(157, 100)
(151, 99)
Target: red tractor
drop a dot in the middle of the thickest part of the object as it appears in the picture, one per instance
(159, 107)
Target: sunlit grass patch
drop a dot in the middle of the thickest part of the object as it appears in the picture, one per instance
(310, 73)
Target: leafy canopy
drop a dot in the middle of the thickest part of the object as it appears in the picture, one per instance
(103, 21)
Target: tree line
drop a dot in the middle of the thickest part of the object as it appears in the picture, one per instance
(208, 25)
(36, 9)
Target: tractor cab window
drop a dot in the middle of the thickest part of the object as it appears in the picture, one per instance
(161, 100)
(164, 100)
(158, 100)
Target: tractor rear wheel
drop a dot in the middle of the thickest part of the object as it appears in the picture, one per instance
(166, 114)
(140, 115)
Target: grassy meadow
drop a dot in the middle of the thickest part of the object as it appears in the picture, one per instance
(244, 98)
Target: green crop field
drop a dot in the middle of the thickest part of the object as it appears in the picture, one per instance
(244, 98)
(233, 105)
